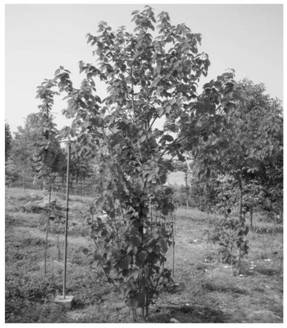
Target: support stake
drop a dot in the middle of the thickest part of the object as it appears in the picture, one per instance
(66, 221)
(47, 231)
(173, 248)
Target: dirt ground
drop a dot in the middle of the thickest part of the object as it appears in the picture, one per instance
(208, 291)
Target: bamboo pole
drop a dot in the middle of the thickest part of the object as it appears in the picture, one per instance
(66, 221)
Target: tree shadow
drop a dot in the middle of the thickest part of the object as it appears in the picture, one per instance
(188, 314)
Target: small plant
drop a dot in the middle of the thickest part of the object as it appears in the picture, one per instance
(231, 234)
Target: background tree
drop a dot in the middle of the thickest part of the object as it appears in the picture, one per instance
(81, 163)
(8, 141)
(241, 133)
(24, 146)
(27, 143)
(184, 166)
(235, 134)
(11, 173)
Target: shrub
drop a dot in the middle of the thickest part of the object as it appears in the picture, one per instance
(230, 234)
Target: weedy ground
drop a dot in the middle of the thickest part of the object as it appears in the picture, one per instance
(208, 291)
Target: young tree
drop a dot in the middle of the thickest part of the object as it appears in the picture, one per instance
(8, 141)
(185, 167)
(47, 151)
(150, 74)
(23, 146)
(240, 131)
(81, 162)
(11, 173)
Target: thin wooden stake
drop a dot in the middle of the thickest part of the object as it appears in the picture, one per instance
(47, 232)
(58, 246)
(151, 219)
(173, 248)
(66, 222)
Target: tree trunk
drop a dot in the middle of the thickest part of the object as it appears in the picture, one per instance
(173, 246)
(209, 224)
(251, 218)
(241, 220)
(187, 193)
(66, 220)
(240, 202)
(58, 247)
(146, 308)
(47, 231)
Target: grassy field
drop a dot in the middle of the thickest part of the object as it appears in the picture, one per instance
(208, 291)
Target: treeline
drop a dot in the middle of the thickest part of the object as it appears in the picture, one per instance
(32, 162)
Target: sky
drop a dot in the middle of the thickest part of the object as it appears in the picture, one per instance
(40, 38)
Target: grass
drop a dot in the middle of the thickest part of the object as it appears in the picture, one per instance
(210, 292)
